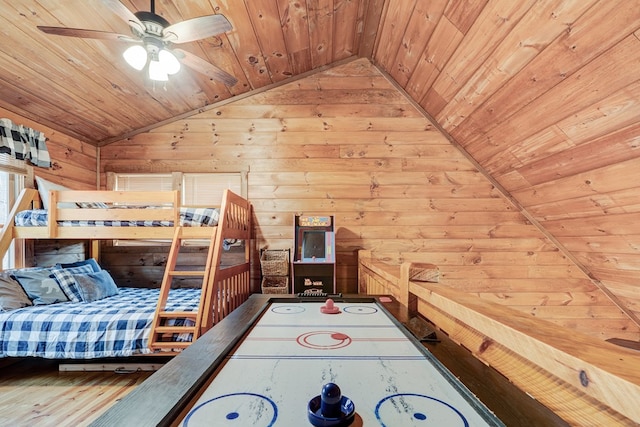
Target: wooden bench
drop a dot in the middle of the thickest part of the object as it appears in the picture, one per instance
(583, 380)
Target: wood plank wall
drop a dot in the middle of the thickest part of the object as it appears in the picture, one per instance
(544, 96)
(346, 142)
(74, 163)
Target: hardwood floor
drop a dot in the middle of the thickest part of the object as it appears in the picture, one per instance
(35, 393)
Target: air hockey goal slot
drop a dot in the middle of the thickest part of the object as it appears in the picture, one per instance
(310, 295)
(422, 330)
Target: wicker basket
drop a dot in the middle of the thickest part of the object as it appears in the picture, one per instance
(275, 285)
(275, 263)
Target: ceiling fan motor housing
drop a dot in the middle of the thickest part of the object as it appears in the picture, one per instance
(153, 23)
(152, 37)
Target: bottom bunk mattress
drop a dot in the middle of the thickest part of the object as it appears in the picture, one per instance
(117, 326)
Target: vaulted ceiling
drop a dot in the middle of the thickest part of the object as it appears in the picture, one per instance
(543, 95)
(85, 88)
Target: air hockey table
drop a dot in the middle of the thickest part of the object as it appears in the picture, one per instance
(272, 361)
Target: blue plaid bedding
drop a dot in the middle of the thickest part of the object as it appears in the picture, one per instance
(189, 217)
(116, 326)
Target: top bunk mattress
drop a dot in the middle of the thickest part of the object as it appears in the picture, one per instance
(189, 217)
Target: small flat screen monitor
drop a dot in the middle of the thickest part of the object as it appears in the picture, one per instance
(313, 245)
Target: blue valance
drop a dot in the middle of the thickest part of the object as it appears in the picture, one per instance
(24, 143)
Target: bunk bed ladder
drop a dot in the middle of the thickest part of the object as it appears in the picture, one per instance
(161, 332)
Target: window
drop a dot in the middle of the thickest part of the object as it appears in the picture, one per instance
(143, 182)
(12, 173)
(206, 189)
(196, 189)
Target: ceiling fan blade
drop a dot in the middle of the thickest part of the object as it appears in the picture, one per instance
(200, 65)
(196, 29)
(125, 14)
(87, 34)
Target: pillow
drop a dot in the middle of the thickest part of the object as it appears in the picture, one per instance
(81, 269)
(87, 266)
(45, 186)
(67, 283)
(95, 286)
(92, 205)
(12, 295)
(199, 217)
(11, 271)
(40, 286)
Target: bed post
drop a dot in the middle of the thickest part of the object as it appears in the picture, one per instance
(94, 249)
(25, 201)
(52, 220)
(403, 284)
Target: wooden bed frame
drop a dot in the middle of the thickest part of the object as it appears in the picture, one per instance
(583, 380)
(29, 199)
(223, 288)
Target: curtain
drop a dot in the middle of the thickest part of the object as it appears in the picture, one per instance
(24, 143)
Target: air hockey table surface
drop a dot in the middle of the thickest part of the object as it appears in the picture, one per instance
(293, 347)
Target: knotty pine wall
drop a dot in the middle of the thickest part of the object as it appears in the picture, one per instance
(544, 96)
(346, 142)
(74, 163)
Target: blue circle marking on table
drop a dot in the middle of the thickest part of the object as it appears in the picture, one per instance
(205, 413)
(283, 309)
(414, 409)
(360, 309)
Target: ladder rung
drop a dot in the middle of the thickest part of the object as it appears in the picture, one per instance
(187, 272)
(170, 344)
(174, 329)
(177, 314)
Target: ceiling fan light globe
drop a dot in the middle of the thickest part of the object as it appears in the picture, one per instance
(136, 56)
(169, 62)
(157, 72)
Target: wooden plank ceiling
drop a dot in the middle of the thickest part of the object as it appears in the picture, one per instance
(542, 94)
(83, 87)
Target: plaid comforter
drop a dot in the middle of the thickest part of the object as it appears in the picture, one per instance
(117, 326)
(189, 217)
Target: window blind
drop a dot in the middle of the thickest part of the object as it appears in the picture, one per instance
(206, 189)
(143, 182)
(11, 165)
(198, 190)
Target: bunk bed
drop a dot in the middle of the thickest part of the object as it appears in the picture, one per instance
(121, 322)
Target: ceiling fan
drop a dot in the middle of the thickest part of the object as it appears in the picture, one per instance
(154, 40)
